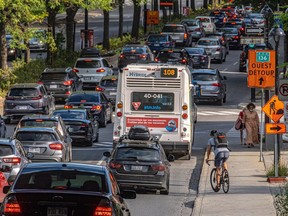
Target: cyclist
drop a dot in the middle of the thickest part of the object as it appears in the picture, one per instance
(220, 154)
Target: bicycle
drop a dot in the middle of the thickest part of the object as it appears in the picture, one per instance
(224, 178)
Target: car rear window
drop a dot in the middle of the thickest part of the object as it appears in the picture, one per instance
(165, 56)
(109, 83)
(53, 76)
(84, 98)
(140, 154)
(63, 180)
(195, 51)
(32, 92)
(88, 64)
(133, 49)
(5, 150)
(229, 30)
(70, 115)
(204, 77)
(35, 136)
(208, 42)
(160, 38)
(173, 29)
(38, 123)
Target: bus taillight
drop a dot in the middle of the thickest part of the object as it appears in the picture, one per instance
(119, 114)
(185, 107)
(120, 105)
(184, 115)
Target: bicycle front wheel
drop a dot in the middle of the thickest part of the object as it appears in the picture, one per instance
(213, 180)
(225, 181)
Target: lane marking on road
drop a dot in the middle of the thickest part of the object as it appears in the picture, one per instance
(225, 69)
(205, 113)
(235, 63)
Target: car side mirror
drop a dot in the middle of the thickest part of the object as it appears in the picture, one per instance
(106, 154)
(6, 189)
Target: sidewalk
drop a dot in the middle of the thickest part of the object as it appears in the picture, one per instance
(249, 193)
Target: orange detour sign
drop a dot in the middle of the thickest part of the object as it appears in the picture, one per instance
(274, 108)
(261, 68)
(152, 17)
(275, 128)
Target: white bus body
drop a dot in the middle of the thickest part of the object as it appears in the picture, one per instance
(160, 97)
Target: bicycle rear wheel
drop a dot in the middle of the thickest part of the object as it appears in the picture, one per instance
(225, 181)
(213, 180)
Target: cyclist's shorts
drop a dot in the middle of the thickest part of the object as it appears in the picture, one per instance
(221, 157)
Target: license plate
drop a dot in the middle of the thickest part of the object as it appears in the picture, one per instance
(53, 86)
(87, 78)
(34, 150)
(138, 168)
(22, 107)
(113, 93)
(57, 211)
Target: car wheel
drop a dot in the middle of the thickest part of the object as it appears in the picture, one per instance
(224, 58)
(166, 190)
(90, 142)
(241, 68)
(110, 120)
(220, 102)
(97, 138)
(220, 60)
(224, 99)
(103, 122)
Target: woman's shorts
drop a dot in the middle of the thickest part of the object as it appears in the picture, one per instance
(221, 157)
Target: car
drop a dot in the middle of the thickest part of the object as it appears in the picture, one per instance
(27, 98)
(65, 189)
(13, 52)
(210, 86)
(83, 127)
(258, 19)
(236, 23)
(46, 144)
(174, 56)
(37, 120)
(195, 28)
(219, 16)
(60, 82)
(108, 85)
(156, 42)
(223, 38)
(96, 102)
(214, 48)
(230, 11)
(140, 163)
(199, 57)
(3, 128)
(133, 53)
(244, 54)
(248, 9)
(90, 52)
(248, 21)
(91, 70)
(179, 34)
(39, 40)
(233, 36)
(208, 23)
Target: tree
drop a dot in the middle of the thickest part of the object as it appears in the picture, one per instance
(284, 19)
(136, 18)
(120, 30)
(106, 41)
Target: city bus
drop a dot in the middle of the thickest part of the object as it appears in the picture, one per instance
(160, 97)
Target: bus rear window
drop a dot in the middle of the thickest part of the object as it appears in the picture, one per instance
(152, 101)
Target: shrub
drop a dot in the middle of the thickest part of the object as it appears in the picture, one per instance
(282, 170)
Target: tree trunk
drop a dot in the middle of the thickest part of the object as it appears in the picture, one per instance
(136, 19)
(70, 12)
(176, 9)
(120, 30)
(285, 53)
(205, 4)
(193, 7)
(3, 49)
(106, 41)
(27, 55)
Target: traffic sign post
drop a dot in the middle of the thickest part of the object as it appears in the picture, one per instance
(152, 17)
(274, 108)
(255, 31)
(275, 128)
(251, 40)
(283, 90)
(261, 68)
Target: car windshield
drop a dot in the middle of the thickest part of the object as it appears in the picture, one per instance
(84, 98)
(257, 16)
(133, 49)
(35, 136)
(30, 92)
(204, 77)
(172, 28)
(70, 114)
(229, 30)
(195, 51)
(5, 150)
(53, 76)
(140, 154)
(63, 180)
(38, 123)
(169, 55)
(208, 42)
(109, 83)
(161, 38)
(88, 64)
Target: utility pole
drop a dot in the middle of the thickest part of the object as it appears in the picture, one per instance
(86, 28)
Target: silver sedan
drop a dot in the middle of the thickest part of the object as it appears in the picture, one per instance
(213, 47)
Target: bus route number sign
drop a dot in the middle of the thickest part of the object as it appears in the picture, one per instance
(169, 72)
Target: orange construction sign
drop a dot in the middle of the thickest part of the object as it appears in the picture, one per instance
(261, 68)
(275, 128)
(274, 108)
(152, 17)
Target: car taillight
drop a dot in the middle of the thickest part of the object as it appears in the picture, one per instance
(100, 70)
(121, 56)
(40, 82)
(143, 56)
(12, 207)
(224, 20)
(236, 37)
(184, 60)
(68, 106)
(185, 36)
(68, 93)
(115, 165)
(75, 70)
(56, 146)
(99, 89)
(202, 58)
(156, 59)
(216, 84)
(84, 125)
(96, 108)
(184, 115)
(37, 98)
(14, 160)
(103, 211)
(242, 29)
(68, 82)
(119, 114)
(158, 167)
(197, 29)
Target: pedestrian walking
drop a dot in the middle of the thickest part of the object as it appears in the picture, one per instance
(251, 121)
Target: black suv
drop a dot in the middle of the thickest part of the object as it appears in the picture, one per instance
(174, 56)
(61, 82)
(27, 98)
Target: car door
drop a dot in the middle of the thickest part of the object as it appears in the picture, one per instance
(222, 82)
(106, 104)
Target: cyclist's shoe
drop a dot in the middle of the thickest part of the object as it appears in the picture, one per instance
(217, 188)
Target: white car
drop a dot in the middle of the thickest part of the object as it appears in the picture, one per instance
(208, 23)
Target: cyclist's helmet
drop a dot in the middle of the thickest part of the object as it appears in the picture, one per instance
(213, 132)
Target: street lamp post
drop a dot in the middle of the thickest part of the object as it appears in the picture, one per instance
(276, 33)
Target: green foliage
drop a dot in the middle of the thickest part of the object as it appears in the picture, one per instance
(281, 201)
(6, 79)
(284, 19)
(282, 170)
(116, 43)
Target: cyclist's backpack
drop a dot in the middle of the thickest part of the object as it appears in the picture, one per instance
(220, 140)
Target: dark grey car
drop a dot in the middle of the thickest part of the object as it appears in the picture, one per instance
(108, 85)
(27, 98)
(210, 86)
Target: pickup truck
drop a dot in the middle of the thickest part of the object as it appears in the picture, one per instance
(208, 23)
(179, 34)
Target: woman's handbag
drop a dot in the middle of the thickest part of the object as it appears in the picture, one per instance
(239, 125)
